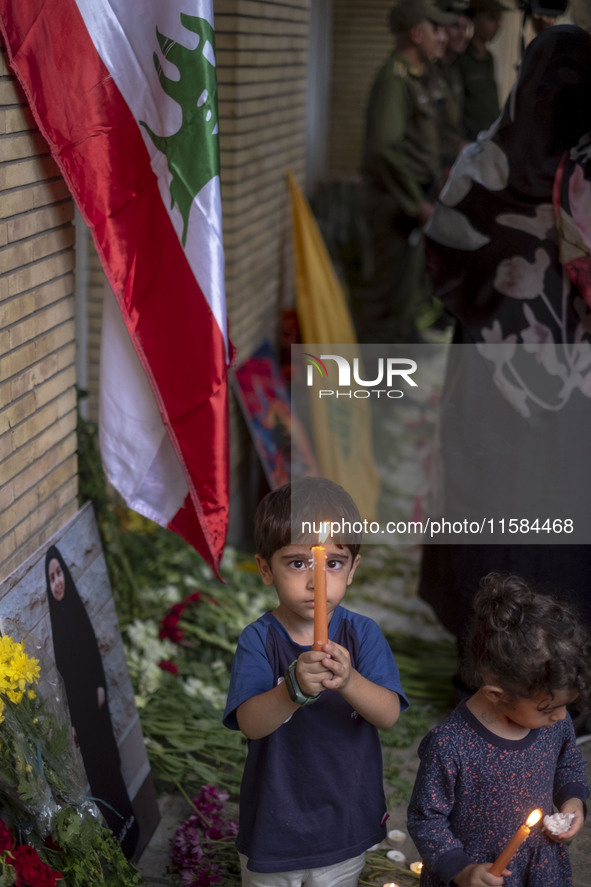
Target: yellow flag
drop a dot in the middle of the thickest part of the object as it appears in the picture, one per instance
(341, 427)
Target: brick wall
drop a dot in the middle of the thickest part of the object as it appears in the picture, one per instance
(37, 349)
(262, 67)
(361, 41)
(95, 281)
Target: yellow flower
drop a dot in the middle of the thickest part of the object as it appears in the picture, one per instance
(17, 669)
(23, 669)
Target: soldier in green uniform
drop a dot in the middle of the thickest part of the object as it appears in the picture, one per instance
(401, 171)
(481, 95)
(446, 85)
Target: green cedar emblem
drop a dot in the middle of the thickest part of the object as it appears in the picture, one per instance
(192, 152)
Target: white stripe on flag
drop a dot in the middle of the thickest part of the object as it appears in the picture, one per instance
(138, 457)
(125, 38)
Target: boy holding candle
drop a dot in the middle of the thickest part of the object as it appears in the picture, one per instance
(507, 750)
(312, 799)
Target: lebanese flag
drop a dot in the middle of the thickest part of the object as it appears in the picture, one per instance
(125, 94)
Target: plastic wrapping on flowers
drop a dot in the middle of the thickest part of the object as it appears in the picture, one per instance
(43, 806)
(38, 765)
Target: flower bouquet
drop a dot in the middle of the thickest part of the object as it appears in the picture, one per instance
(49, 830)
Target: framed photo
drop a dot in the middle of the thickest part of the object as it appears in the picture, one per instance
(59, 603)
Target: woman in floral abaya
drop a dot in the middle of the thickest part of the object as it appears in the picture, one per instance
(79, 663)
(516, 403)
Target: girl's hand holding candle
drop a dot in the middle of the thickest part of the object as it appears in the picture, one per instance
(518, 838)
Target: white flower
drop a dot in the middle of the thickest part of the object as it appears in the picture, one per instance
(494, 347)
(520, 279)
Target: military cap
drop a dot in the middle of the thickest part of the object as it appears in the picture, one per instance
(457, 7)
(408, 13)
(489, 6)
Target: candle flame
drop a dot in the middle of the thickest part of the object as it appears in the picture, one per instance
(533, 818)
(324, 532)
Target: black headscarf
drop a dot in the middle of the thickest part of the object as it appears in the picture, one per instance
(549, 109)
(77, 655)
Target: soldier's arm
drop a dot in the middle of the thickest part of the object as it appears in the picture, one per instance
(386, 131)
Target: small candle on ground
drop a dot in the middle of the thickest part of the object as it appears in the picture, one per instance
(396, 856)
(500, 864)
(416, 867)
(320, 601)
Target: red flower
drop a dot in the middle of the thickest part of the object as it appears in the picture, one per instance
(30, 870)
(6, 838)
(193, 598)
(169, 625)
(169, 665)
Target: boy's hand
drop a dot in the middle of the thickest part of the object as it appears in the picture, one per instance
(573, 805)
(331, 669)
(479, 876)
(311, 672)
(337, 665)
(328, 669)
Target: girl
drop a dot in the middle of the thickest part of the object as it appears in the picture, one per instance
(507, 750)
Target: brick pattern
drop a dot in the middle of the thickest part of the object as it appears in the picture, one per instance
(262, 70)
(360, 43)
(38, 483)
(94, 302)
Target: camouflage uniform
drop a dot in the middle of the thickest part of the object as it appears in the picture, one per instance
(401, 166)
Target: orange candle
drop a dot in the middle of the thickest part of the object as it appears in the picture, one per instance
(518, 838)
(320, 611)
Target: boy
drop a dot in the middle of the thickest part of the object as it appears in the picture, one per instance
(312, 799)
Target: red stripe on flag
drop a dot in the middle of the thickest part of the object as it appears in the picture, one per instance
(100, 151)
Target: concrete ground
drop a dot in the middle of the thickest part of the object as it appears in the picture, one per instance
(155, 858)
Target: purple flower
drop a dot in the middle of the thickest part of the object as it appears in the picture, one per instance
(193, 845)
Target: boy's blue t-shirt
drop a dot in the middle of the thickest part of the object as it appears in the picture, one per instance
(312, 792)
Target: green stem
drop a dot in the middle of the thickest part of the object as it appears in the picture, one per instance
(192, 804)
